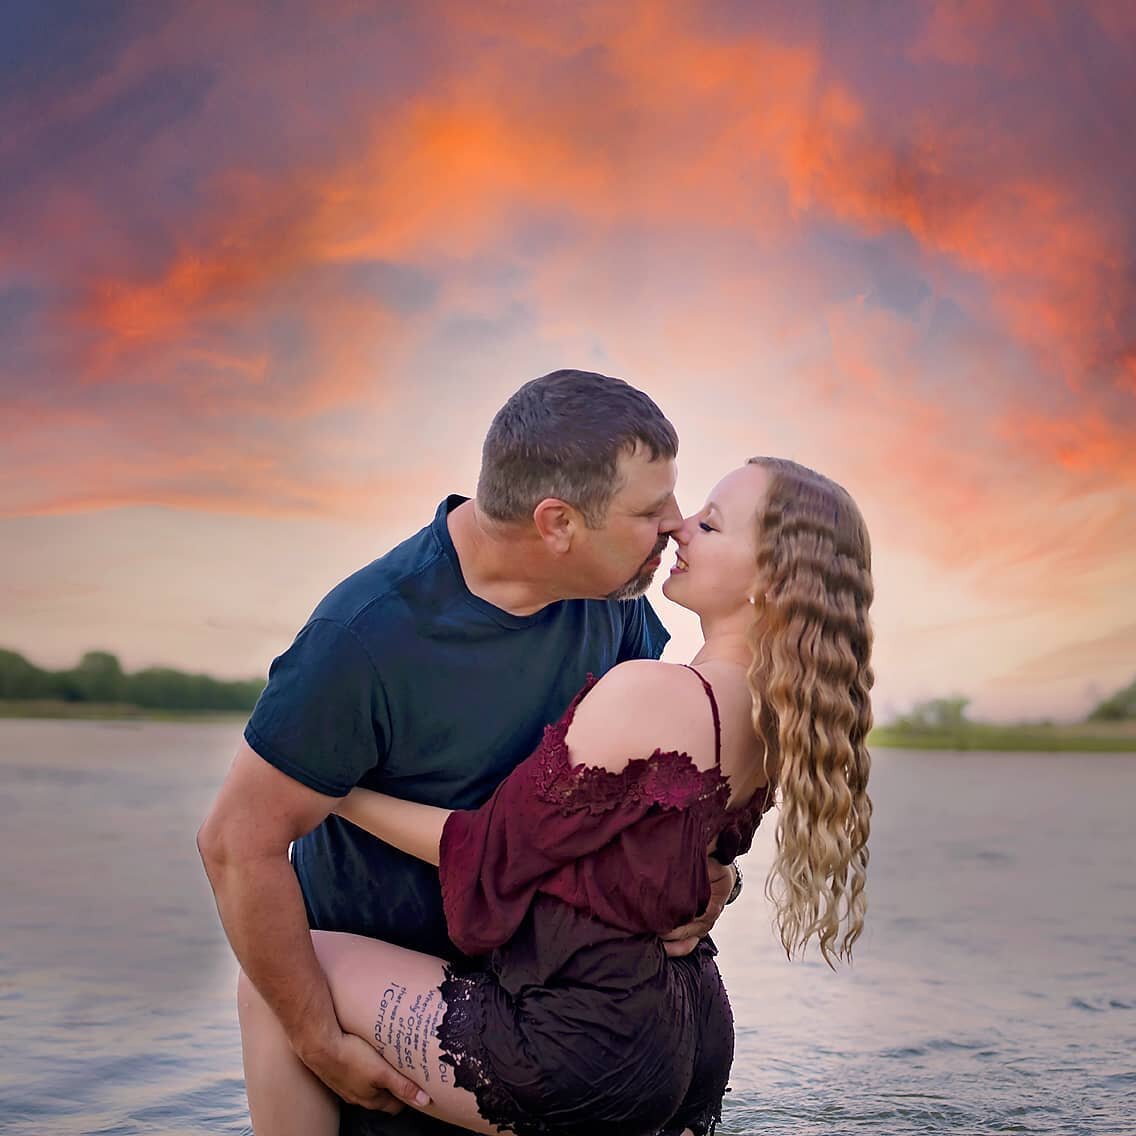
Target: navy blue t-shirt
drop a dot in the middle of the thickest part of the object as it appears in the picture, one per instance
(406, 682)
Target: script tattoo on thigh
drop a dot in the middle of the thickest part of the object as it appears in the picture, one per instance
(404, 1027)
(387, 1017)
(426, 1013)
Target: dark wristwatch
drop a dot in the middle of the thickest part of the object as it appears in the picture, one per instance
(736, 890)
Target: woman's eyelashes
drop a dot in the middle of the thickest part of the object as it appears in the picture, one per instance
(705, 527)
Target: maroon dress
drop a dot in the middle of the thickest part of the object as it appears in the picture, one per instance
(572, 1019)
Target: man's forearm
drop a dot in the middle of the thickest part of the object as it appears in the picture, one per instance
(262, 911)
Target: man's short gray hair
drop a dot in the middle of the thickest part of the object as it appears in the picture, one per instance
(561, 436)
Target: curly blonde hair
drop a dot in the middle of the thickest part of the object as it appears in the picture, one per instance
(810, 681)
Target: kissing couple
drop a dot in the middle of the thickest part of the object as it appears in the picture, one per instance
(470, 850)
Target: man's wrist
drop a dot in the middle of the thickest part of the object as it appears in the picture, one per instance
(736, 890)
(316, 1040)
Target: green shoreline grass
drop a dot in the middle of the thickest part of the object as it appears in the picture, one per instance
(111, 712)
(1081, 737)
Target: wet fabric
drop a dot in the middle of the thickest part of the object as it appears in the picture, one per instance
(573, 1019)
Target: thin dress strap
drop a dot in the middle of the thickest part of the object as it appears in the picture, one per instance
(717, 719)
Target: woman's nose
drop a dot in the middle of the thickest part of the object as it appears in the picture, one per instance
(683, 532)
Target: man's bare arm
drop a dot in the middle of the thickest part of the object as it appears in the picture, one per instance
(244, 843)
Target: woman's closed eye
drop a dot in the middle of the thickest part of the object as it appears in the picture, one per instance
(705, 527)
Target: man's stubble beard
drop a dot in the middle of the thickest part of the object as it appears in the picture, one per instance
(641, 581)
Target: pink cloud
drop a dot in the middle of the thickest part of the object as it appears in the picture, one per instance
(646, 122)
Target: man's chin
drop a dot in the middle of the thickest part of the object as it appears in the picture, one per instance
(633, 589)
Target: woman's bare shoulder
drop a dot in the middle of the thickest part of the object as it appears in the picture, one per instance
(638, 707)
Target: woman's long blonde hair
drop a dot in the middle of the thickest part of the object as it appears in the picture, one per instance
(810, 680)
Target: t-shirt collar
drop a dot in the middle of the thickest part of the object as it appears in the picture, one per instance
(504, 618)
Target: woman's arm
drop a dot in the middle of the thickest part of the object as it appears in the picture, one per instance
(408, 825)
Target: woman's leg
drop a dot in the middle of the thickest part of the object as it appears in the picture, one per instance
(284, 1095)
(384, 994)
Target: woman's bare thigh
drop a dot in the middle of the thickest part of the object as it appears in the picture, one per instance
(391, 997)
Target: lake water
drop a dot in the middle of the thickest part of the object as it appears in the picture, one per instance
(994, 989)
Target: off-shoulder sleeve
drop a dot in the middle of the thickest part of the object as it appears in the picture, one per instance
(737, 834)
(628, 847)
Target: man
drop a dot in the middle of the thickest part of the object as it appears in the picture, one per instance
(429, 675)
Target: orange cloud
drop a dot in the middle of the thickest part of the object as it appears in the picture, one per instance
(1037, 502)
(220, 478)
(667, 130)
(1089, 444)
(690, 128)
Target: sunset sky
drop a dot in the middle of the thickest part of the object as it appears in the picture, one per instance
(268, 269)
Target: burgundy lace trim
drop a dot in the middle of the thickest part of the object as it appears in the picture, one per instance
(668, 778)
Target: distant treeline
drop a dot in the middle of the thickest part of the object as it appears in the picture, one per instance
(943, 724)
(1119, 707)
(99, 678)
(949, 714)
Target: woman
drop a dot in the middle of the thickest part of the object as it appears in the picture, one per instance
(572, 1019)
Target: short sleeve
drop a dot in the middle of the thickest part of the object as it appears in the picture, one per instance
(321, 718)
(644, 635)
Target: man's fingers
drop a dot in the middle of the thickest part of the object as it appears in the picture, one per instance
(682, 940)
(392, 1081)
(391, 1099)
(362, 1076)
(412, 1094)
(678, 948)
(719, 872)
(699, 927)
(693, 930)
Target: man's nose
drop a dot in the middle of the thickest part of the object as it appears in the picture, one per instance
(672, 517)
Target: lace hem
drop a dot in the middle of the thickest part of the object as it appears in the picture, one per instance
(460, 1033)
(703, 1123)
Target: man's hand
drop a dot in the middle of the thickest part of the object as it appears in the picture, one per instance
(682, 940)
(244, 845)
(351, 1068)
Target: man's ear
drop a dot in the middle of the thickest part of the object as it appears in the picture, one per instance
(556, 522)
